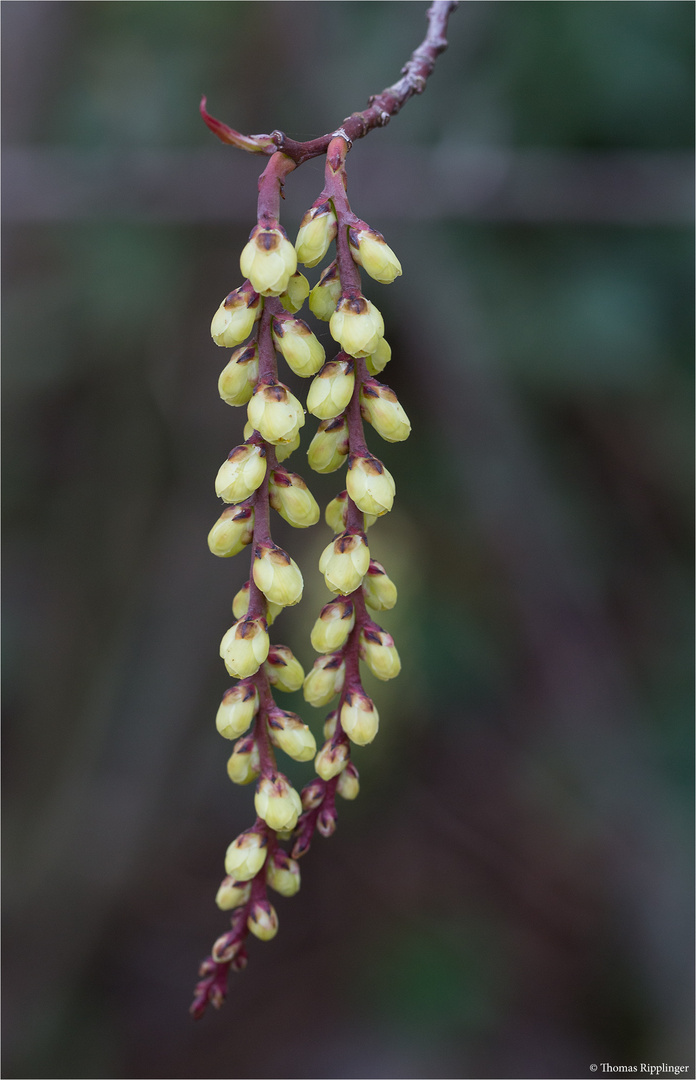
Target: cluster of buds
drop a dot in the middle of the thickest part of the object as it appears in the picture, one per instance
(343, 393)
(259, 321)
(252, 481)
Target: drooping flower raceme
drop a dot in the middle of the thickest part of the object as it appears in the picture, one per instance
(259, 321)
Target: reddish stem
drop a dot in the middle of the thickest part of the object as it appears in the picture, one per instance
(381, 107)
(271, 183)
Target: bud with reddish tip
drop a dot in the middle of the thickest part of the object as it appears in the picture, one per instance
(244, 764)
(313, 795)
(232, 894)
(283, 668)
(377, 649)
(226, 947)
(303, 353)
(240, 375)
(262, 920)
(356, 325)
(277, 802)
(268, 260)
(232, 531)
(292, 499)
(238, 708)
(296, 293)
(380, 406)
(283, 873)
(245, 647)
(329, 447)
(246, 855)
(359, 717)
(325, 680)
(324, 297)
(277, 575)
(317, 229)
(292, 736)
(332, 389)
(331, 760)
(370, 485)
(348, 786)
(370, 250)
(378, 588)
(344, 562)
(234, 319)
(275, 412)
(326, 821)
(330, 631)
(241, 474)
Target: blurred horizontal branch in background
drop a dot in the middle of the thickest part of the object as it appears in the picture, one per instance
(56, 184)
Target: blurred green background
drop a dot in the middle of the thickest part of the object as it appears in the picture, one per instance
(511, 894)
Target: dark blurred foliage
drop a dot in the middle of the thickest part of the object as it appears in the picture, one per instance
(511, 894)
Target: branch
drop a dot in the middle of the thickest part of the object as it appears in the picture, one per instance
(381, 107)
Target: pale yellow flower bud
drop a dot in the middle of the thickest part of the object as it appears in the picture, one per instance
(359, 718)
(284, 670)
(377, 649)
(269, 260)
(370, 250)
(380, 406)
(275, 413)
(245, 647)
(331, 760)
(296, 293)
(240, 606)
(348, 786)
(379, 358)
(378, 588)
(330, 631)
(290, 496)
(239, 377)
(278, 576)
(370, 485)
(325, 680)
(331, 391)
(329, 447)
(241, 474)
(356, 325)
(244, 764)
(246, 855)
(283, 874)
(330, 725)
(292, 736)
(277, 802)
(336, 514)
(284, 450)
(263, 921)
(232, 894)
(317, 229)
(232, 531)
(238, 708)
(234, 319)
(344, 562)
(303, 353)
(325, 295)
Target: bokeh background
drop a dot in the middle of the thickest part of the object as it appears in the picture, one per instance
(511, 894)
